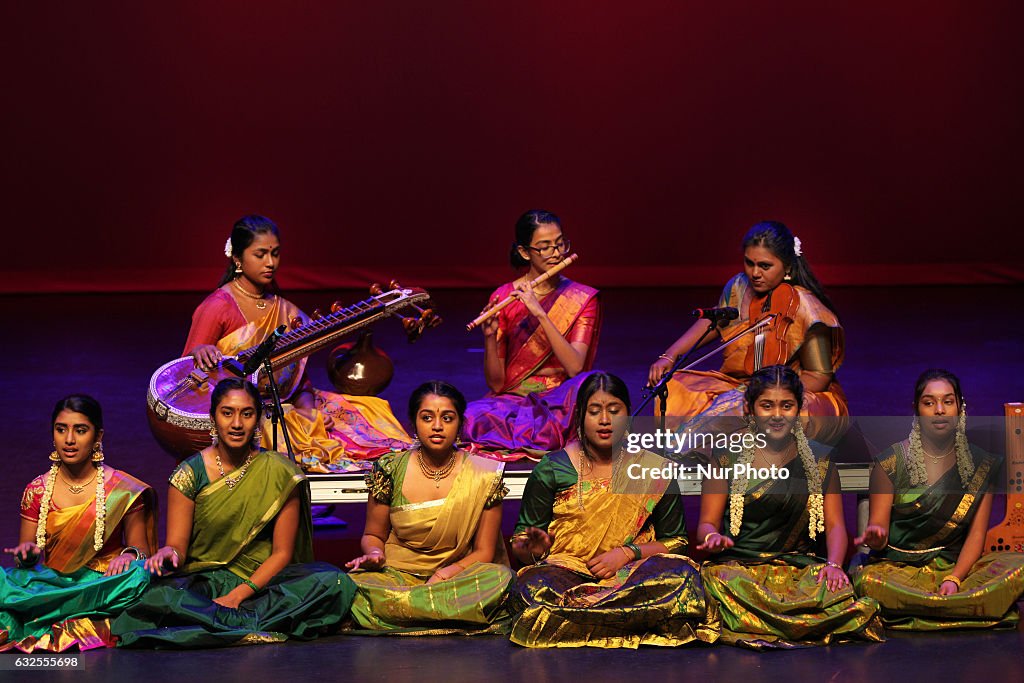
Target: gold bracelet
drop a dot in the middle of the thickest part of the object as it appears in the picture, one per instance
(670, 359)
(625, 551)
(709, 536)
(521, 536)
(950, 577)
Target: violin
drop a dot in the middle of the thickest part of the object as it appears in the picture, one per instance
(770, 346)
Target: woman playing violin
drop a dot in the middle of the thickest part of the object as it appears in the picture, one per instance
(804, 334)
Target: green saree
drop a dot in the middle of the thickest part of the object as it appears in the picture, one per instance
(657, 600)
(66, 602)
(232, 535)
(425, 537)
(927, 530)
(766, 584)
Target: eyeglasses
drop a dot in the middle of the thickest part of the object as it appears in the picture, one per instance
(559, 247)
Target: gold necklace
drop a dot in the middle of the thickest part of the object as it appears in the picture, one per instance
(584, 458)
(76, 488)
(938, 458)
(230, 483)
(438, 474)
(782, 455)
(261, 301)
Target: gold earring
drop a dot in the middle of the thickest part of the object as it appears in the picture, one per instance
(238, 267)
(213, 436)
(97, 452)
(257, 436)
(54, 457)
(787, 277)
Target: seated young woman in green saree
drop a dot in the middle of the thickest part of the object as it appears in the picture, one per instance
(603, 550)
(89, 523)
(762, 521)
(239, 536)
(931, 496)
(433, 560)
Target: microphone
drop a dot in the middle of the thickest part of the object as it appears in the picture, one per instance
(717, 315)
(261, 354)
(266, 348)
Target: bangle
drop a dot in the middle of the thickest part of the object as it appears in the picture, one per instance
(176, 555)
(830, 563)
(625, 551)
(637, 555)
(520, 536)
(250, 584)
(706, 537)
(670, 359)
(139, 555)
(950, 577)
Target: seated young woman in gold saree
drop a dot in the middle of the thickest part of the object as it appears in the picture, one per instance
(762, 520)
(433, 560)
(239, 536)
(931, 496)
(603, 548)
(89, 524)
(336, 431)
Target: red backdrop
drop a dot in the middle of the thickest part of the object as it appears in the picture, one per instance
(405, 138)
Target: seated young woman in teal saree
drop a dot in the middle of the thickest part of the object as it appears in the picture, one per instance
(765, 572)
(931, 496)
(240, 535)
(89, 570)
(603, 548)
(433, 561)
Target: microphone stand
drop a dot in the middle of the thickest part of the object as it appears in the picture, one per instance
(276, 410)
(277, 415)
(661, 388)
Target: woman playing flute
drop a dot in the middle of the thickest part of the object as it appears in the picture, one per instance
(537, 350)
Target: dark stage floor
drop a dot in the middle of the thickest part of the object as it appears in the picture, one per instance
(110, 345)
(945, 658)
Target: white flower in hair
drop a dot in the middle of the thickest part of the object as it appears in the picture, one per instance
(227, 248)
(797, 246)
